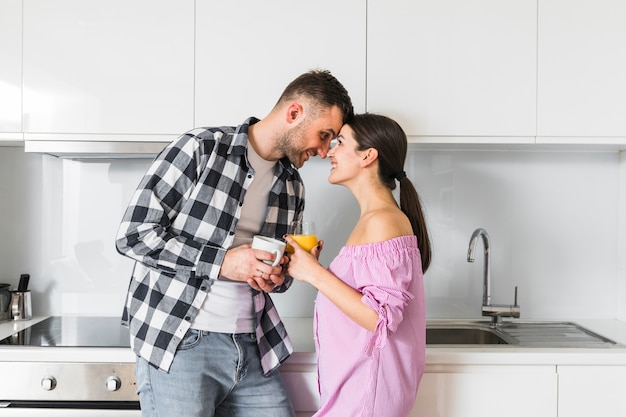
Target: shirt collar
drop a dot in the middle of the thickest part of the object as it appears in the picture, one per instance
(240, 143)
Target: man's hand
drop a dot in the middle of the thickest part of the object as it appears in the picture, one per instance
(244, 264)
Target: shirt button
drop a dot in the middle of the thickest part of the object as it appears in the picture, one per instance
(249, 175)
(231, 233)
(188, 318)
(203, 288)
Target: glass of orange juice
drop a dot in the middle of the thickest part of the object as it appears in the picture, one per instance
(304, 234)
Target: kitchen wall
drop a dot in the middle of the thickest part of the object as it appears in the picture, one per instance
(621, 280)
(552, 216)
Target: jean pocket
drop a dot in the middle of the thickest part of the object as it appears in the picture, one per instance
(191, 339)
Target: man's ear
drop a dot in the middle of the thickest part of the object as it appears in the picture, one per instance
(294, 111)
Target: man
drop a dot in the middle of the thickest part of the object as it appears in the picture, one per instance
(207, 337)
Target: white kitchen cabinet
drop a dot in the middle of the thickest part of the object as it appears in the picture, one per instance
(454, 68)
(248, 51)
(592, 391)
(10, 69)
(581, 67)
(487, 391)
(457, 390)
(108, 67)
(302, 386)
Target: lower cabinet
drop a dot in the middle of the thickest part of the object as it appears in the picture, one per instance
(487, 390)
(592, 390)
(450, 390)
(302, 385)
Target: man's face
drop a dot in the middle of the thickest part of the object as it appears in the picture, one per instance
(311, 137)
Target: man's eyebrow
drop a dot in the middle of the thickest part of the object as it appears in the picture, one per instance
(331, 130)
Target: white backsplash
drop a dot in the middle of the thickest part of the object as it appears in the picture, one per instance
(552, 218)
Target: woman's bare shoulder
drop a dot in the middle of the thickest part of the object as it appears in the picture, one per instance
(384, 224)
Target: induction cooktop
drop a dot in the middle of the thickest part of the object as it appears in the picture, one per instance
(69, 331)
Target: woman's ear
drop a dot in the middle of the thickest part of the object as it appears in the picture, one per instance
(369, 156)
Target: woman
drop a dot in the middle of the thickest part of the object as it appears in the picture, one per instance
(370, 314)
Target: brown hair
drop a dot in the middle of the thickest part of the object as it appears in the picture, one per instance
(323, 89)
(388, 138)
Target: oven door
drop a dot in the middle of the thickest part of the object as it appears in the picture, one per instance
(68, 389)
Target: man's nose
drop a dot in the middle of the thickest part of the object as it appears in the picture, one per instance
(322, 151)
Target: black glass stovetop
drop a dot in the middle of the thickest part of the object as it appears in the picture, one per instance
(71, 331)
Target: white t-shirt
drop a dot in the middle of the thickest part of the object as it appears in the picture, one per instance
(228, 307)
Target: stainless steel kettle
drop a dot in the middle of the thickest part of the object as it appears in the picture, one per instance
(21, 308)
(5, 302)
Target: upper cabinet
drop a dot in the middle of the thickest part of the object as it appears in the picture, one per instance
(449, 71)
(108, 67)
(454, 68)
(10, 69)
(582, 70)
(248, 51)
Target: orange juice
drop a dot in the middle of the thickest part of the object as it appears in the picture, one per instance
(306, 242)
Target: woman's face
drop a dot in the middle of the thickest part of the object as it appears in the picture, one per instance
(345, 159)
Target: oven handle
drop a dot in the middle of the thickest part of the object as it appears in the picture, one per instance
(73, 405)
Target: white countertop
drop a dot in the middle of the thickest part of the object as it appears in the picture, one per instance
(301, 332)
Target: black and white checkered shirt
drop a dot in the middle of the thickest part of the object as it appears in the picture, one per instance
(178, 226)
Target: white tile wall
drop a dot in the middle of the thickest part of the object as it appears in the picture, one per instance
(621, 283)
(552, 217)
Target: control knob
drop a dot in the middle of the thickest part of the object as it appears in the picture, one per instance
(113, 383)
(49, 383)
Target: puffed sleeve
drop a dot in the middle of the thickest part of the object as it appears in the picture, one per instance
(384, 283)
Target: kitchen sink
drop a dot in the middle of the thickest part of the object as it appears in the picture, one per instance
(463, 336)
(514, 333)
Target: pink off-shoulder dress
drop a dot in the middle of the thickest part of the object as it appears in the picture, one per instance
(361, 373)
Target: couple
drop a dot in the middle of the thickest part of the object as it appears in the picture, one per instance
(207, 336)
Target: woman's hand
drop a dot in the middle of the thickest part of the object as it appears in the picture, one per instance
(304, 266)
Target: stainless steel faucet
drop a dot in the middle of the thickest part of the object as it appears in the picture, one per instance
(495, 311)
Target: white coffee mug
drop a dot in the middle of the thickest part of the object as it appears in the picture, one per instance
(268, 244)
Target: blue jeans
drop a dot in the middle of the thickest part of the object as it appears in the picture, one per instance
(213, 374)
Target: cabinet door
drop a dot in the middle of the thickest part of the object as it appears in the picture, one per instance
(581, 82)
(248, 51)
(302, 386)
(454, 67)
(487, 391)
(108, 66)
(592, 391)
(10, 67)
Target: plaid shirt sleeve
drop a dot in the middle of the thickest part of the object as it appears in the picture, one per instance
(178, 225)
(147, 232)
